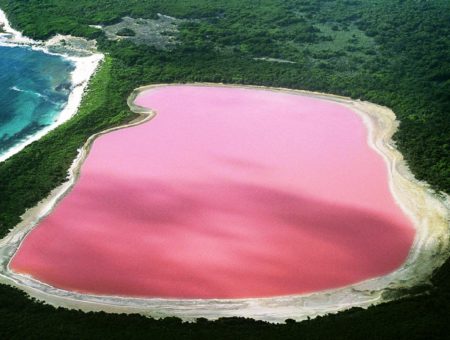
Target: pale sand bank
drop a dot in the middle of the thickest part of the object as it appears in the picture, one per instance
(430, 216)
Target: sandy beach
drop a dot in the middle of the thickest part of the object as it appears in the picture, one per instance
(428, 211)
(85, 67)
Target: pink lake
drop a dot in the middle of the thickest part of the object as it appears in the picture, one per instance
(225, 193)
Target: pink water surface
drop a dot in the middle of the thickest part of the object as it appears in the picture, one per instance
(226, 193)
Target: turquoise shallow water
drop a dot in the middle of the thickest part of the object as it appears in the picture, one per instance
(34, 88)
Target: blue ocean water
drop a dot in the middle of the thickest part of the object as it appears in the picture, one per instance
(34, 88)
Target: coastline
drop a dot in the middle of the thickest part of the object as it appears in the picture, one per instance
(85, 68)
(428, 213)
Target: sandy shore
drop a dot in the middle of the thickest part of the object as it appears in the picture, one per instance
(429, 213)
(85, 67)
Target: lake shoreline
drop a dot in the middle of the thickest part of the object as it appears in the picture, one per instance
(415, 198)
(85, 65)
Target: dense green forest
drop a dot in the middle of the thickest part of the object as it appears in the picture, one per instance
(391, 52)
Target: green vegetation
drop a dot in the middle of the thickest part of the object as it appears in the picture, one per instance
(126, 32)
(391, 52)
